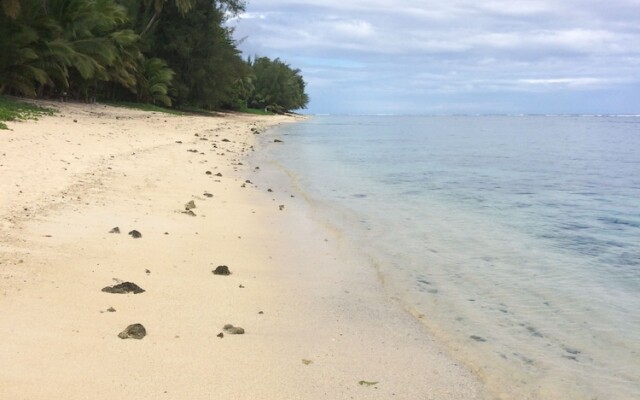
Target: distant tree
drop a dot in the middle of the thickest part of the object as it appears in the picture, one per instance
(202, 52)
(278, 87)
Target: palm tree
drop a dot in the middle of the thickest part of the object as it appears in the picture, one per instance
(154, 82)
(67, 45)
(101, 51)
(18, 72)
(27, 44)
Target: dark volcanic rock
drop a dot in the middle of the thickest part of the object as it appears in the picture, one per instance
(278, 141)
(123, 288)
(208, 194)
(115, 230)
(134, 331)
(135, 234)
(222, 270)
(233, 330)
(218, 174)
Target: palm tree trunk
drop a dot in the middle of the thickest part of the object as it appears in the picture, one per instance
(152, 21)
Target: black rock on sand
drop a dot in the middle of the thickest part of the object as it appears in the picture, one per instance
(123, 288)
(221, 270)
(233, 330)
(134, 331)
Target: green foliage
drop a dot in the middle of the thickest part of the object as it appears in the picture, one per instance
(167, 52)
(200, 50)
(18, 56)
(69, 45)
(12, 110)
(277, 86)
(154, 82)
(153, 9)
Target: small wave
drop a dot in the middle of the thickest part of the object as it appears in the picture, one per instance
(575, 226)
(620, 221)
(628, 260)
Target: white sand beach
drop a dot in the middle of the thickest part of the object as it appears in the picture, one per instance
(317, 322)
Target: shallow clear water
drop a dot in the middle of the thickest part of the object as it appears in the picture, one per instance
(515, 240)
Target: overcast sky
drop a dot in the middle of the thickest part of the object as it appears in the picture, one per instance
(454, 56)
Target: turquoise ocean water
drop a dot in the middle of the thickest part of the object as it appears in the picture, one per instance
(514, 239)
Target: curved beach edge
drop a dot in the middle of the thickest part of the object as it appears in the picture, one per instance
(310, 318)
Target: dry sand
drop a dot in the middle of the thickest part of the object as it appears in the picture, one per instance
(316, 319)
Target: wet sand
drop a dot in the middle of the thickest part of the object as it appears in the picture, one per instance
(317, 324)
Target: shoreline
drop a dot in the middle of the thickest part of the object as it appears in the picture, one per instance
(317, 322)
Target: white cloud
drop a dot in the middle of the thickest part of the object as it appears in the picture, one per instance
(457, 47)
(576, 82)
(351, 28)
(517, 8)
(572, 40)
